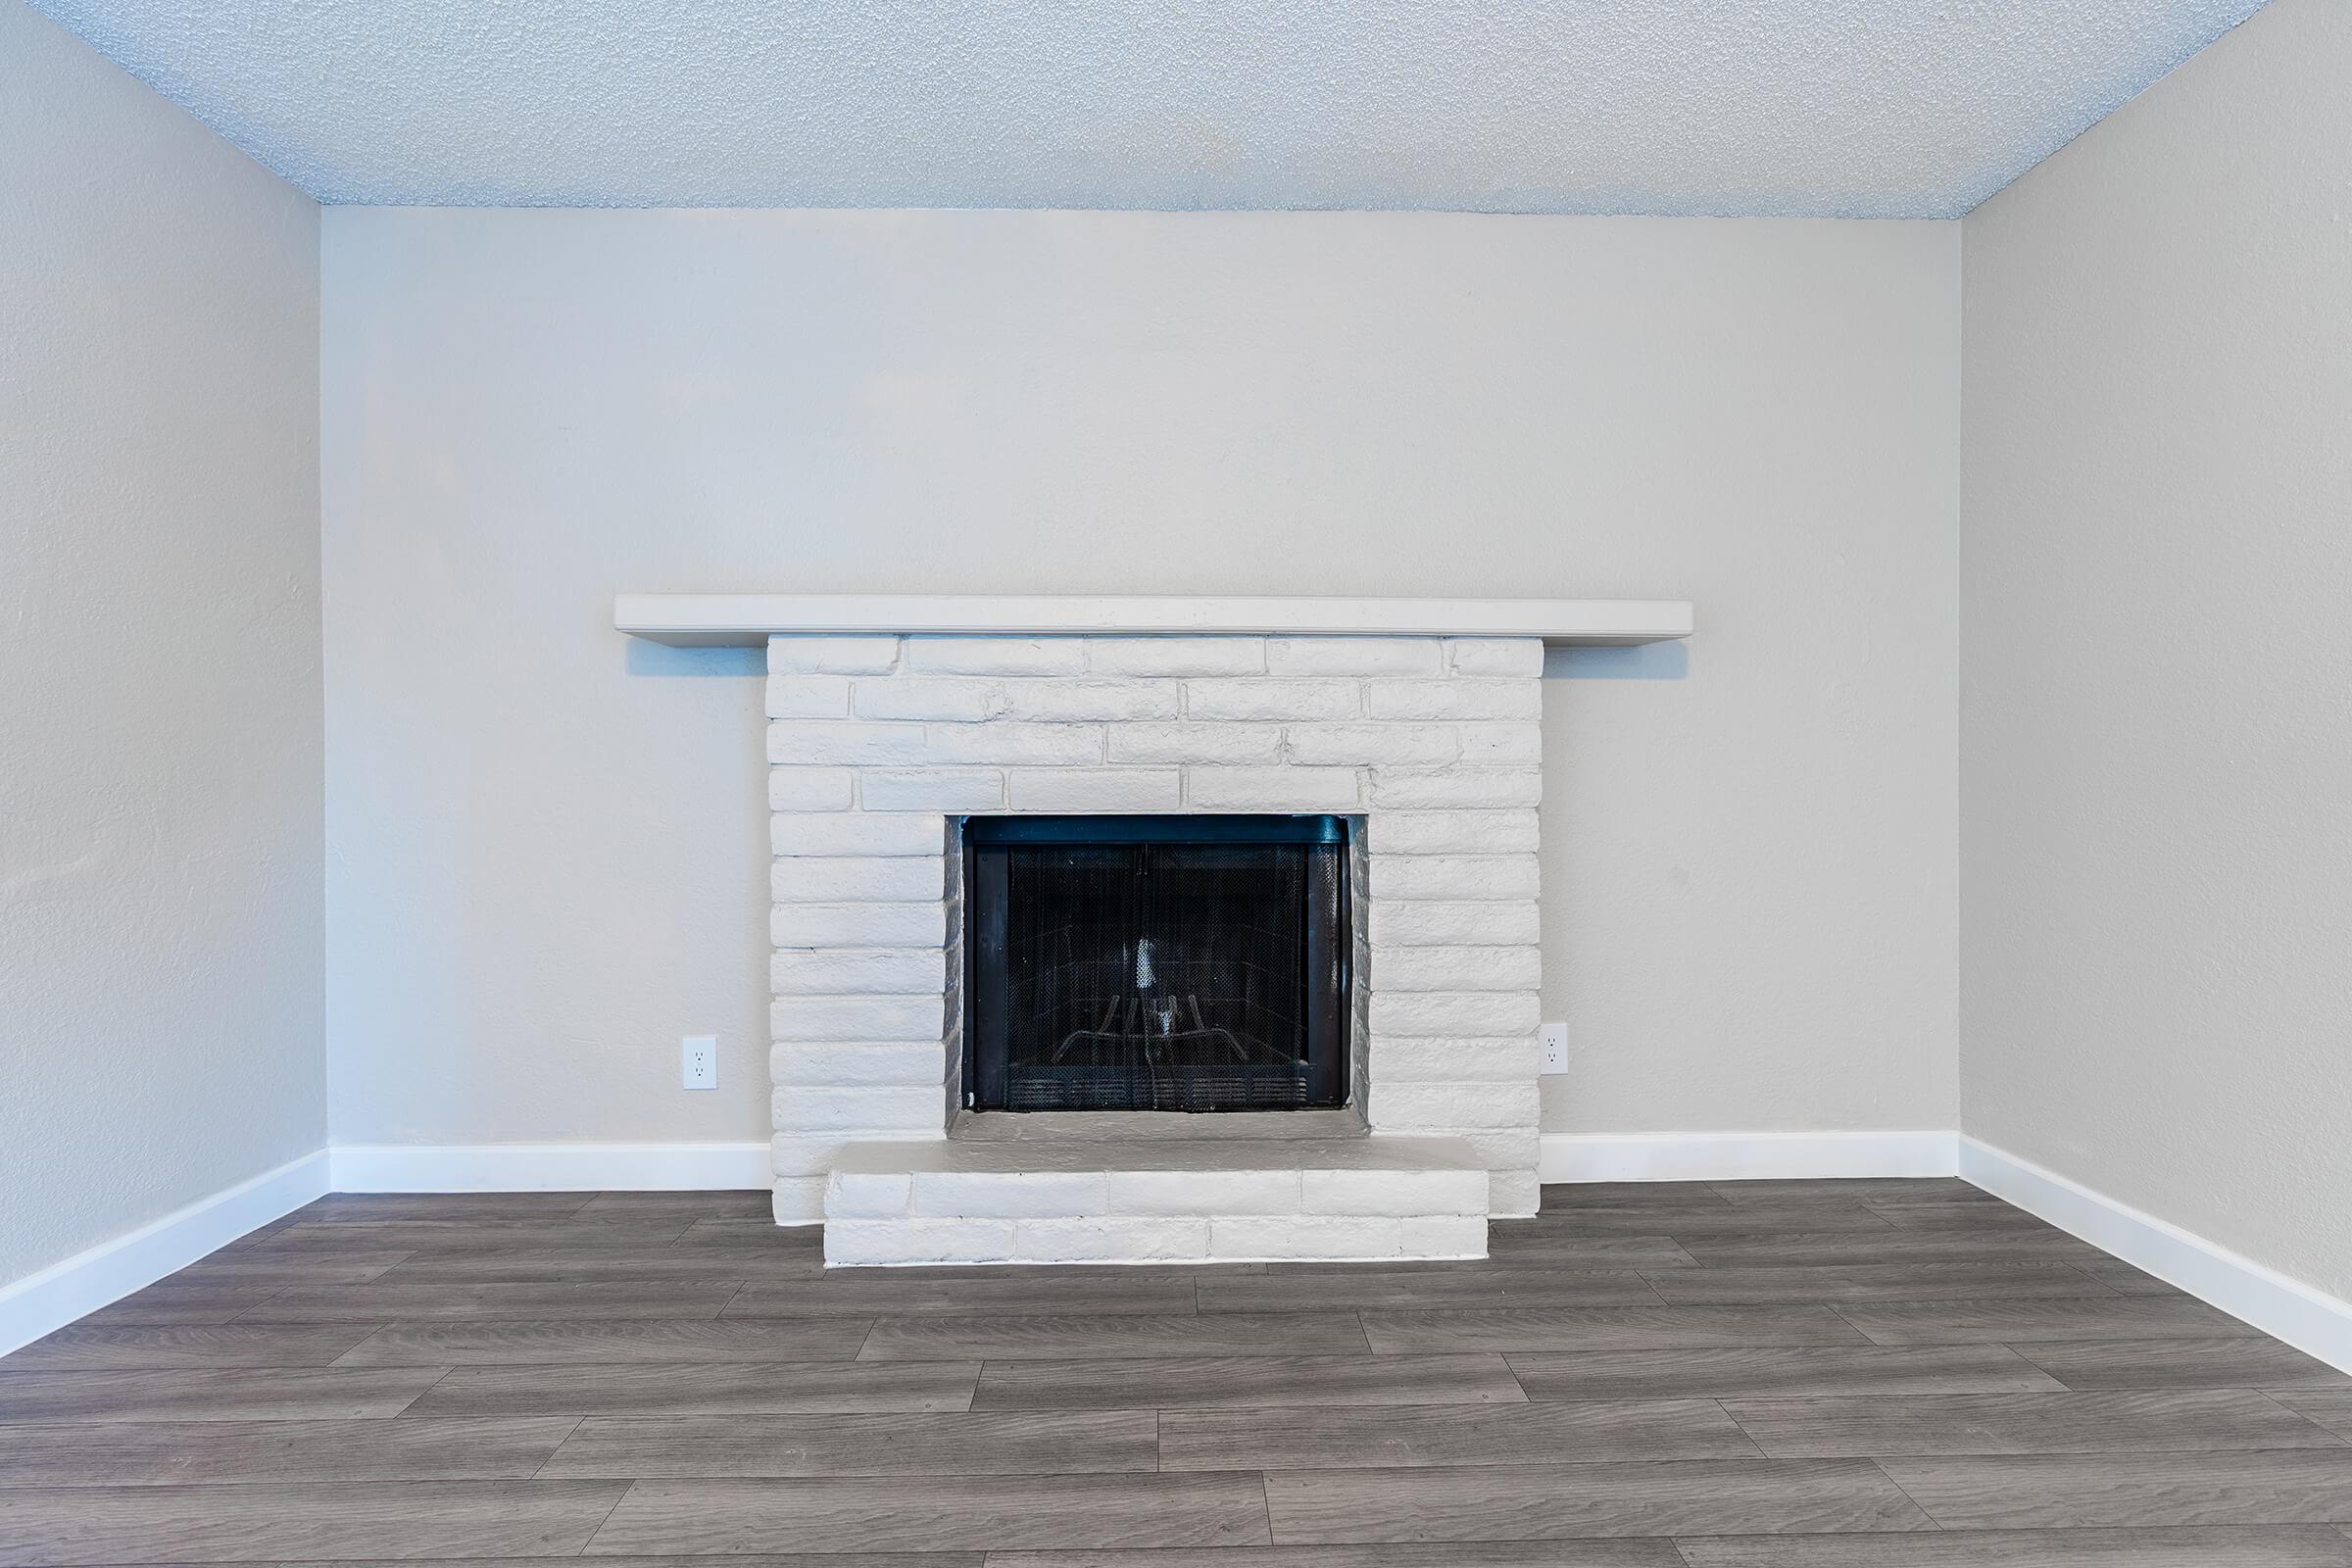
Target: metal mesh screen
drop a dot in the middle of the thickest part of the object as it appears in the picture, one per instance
(1160, 976)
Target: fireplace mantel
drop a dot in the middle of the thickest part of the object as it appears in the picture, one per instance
(711, 620)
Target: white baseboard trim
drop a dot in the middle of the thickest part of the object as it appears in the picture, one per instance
(40, 1303)
(1743, 1156)
(547, 1167)
(2311, 1321)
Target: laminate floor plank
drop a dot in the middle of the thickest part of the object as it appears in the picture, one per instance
(285, 1269)
(2238, 1547)
(753, 1203)
(1858, 1249)
(1999, 1218)
(484, 1235)
(1212, 1383)
(677, 1389)
(170, 1302)
(1741, 1496)
(2160, 1420)
(442, 1208)
(1379, 1289)
(2243, 1362)
(216, 1452)
(1685, 1221)
(905, 1513)
(1561, 1197)
(389, 1301)
(977, 1442)
(1094, 1339)
(2122, 1317)
(2329, 1408)
(1591, 1552)
(2125, 1280)
(866, 1293)
(211, 1393)
(1871, 1193)
(1603, 1328)
(1779, 1372)
(42, 1527)
(1865, 1283)
(1416, 1436)
(646, 1264)
(1551, 1249)
(76, 1346)
(2294, 1486)
(633, 1341)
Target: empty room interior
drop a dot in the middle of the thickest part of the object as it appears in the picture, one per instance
(998, 785)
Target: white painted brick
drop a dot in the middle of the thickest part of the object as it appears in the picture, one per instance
(1503, 745)
(871, 971)
(796, 1154)
(1501, 968)
(1402, 924)
(1006, 1194)
(799, 1199)
(1060, 702)
(1393, 1194)
(996, 656)
(1194, 743)
(1272, 699)
(1454, 1012)
(1176, 656)
(931, 789)
(1402, 787)
(816, 740)
(1457, 697)
(831, 656)
(1449, 876)
(847, 1065)
(807, 696)
(1499, 1148)
(858, 879)
(1204, 1192)
(1514, 1193)
(907, 1017)
(1353, 744)
(1274, 789)
(1452, 833)
(852, 1241)
(859, 926)
(810, 789)
(949, 700)
(1306, 1237)
(1354, 656)
(1013, 744)
(1096, 789)
(866, 1195)
(868, 1109)
(1110, 1241)
(1496, 656)
(1500, 1105)
(878, 833)
(1421, 1059)
(1445, 1236)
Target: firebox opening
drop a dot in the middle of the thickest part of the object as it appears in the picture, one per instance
(1187, 963)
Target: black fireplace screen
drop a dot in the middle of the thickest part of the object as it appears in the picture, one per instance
(1156, 963)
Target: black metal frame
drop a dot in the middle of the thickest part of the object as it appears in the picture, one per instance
(1330, 944)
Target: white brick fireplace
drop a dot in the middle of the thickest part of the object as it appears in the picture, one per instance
(881, 742)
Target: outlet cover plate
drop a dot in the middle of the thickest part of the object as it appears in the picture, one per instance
(1556, 1049)
(698, 1061)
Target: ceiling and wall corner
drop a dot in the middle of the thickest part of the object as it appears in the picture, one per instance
(1799, 107)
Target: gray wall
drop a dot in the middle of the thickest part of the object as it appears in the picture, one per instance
(546, 852)
(2156, 782)
(160, 802)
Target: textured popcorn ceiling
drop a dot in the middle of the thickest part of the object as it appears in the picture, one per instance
(1865, 108)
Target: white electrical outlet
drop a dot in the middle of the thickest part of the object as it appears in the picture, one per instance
(1556, 1049)
(698, 1061)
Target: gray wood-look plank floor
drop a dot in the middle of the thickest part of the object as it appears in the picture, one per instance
(1871, 1374)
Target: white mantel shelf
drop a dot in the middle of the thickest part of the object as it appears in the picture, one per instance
(717, 620)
